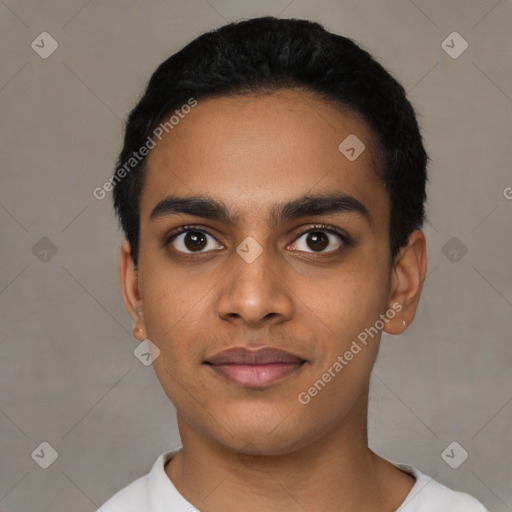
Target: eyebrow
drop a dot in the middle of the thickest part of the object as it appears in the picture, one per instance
(304, 206)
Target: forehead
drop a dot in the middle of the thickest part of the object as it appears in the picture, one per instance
(253, 152)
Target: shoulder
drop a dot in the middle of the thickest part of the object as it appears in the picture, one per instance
(429, 494)
(132, 498)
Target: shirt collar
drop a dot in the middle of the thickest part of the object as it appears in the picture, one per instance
(161, 493)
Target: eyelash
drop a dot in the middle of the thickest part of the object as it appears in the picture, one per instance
(347, 241)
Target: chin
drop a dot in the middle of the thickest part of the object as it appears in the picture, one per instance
(263, 432)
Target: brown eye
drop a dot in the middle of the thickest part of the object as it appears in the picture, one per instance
(318, 240)
(193, 241)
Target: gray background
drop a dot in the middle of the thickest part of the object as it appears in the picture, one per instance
(68, 375)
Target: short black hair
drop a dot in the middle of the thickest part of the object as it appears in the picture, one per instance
(266, 54)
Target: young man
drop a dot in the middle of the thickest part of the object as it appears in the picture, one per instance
(271, 188)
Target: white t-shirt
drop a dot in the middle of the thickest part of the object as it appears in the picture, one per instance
(155, 492)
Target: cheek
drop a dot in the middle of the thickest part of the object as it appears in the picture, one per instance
(175, 323)
(171, 296)
(177, 308)
(344, 312)
(344, 304)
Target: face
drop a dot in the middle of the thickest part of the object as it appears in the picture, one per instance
(283, 254)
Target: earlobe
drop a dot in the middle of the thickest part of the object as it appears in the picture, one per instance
(130, 289)
(407, 278)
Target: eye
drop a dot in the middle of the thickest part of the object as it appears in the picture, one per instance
(319, 238)
(190, 239)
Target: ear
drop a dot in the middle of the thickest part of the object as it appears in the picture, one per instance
(131, 293)
(407, 278)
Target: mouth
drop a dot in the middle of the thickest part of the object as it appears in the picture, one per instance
(254, 368)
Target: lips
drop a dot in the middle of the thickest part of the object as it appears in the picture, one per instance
(254, 368)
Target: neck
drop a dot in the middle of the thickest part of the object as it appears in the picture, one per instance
(335, 471)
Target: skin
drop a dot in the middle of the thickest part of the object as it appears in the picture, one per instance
(261, 448)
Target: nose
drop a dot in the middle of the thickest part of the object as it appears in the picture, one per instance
(256, 293)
